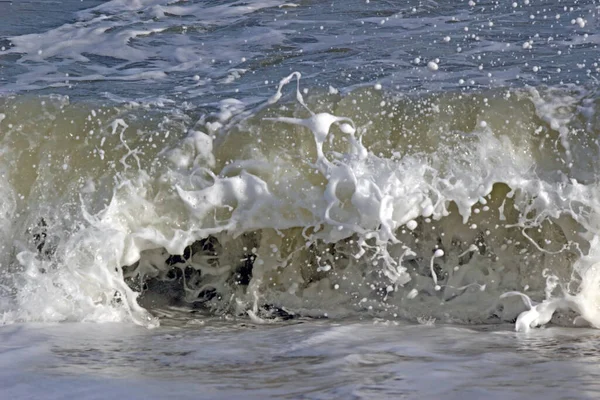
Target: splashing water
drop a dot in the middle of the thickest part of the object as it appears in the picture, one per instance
(391, 209)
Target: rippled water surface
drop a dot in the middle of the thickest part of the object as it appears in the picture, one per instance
(310, 360)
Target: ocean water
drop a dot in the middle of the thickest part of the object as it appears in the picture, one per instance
(269, 199)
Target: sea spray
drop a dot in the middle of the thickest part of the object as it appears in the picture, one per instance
(366, 203)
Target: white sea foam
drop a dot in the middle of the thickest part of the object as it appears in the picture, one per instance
(300, 213)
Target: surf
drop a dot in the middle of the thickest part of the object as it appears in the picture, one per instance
(366, 203)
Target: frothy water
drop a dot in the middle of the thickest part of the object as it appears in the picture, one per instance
(379, 204)
(264, 161)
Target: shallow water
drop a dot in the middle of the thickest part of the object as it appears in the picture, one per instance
(304, 200)
(305, 359)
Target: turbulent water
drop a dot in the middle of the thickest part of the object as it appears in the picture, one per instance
(264, 161)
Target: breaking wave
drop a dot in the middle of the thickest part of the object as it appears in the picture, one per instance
(464, 208)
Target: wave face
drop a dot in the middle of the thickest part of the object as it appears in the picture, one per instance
(457, 207)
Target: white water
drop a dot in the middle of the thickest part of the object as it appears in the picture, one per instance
(328, 227)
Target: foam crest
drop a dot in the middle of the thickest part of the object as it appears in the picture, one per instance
(315, 207)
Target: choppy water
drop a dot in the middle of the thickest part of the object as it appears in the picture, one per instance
(264, 163)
